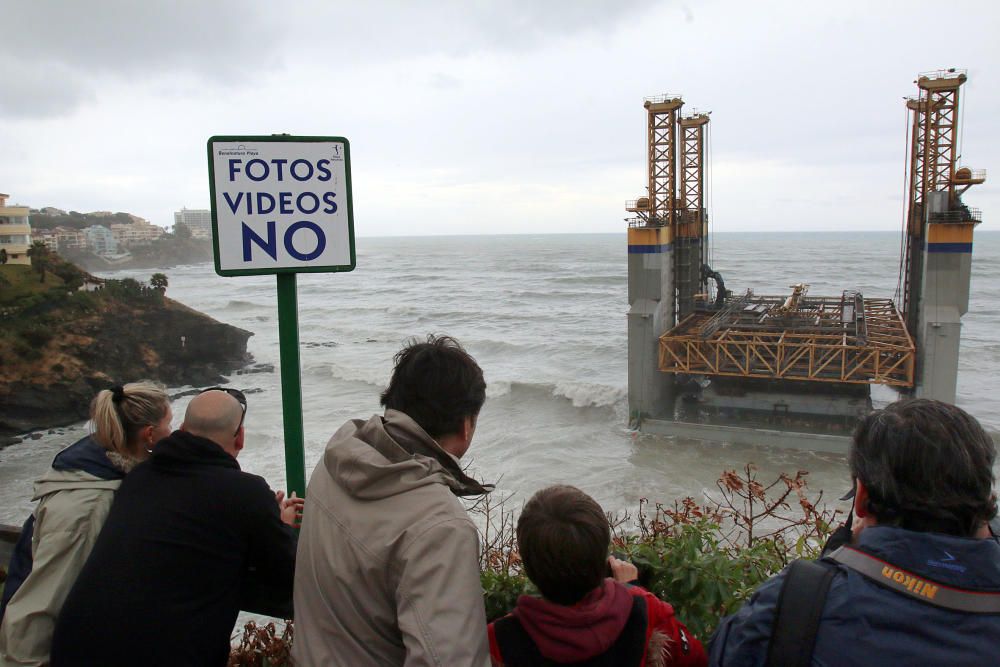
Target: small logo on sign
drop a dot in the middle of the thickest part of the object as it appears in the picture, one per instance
(241, 150)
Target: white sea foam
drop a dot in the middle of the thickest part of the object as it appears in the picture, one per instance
(585, 394)
(498, 389)
(374, 377)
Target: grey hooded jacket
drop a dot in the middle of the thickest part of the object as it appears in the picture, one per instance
(387, 571)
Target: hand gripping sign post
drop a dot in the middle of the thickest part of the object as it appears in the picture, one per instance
(282, 205)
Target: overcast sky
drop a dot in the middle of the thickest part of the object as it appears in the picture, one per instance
(470, 116)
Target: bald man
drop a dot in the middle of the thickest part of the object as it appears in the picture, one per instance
(190, 540)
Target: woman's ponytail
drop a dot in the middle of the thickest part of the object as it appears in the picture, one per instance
(119, 413)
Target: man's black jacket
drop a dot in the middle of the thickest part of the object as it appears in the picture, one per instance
(189, 541)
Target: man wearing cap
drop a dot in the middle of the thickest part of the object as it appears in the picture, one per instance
(918, 582)
(388, 563)
(190, 540)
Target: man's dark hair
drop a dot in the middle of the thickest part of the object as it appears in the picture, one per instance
(563, 537)
(927, 465)
(437, 384)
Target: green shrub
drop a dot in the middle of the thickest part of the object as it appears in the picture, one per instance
(71, 275)
(30, 302)
(501, 590)
(126, 289)
(82, 302)
(700, 578)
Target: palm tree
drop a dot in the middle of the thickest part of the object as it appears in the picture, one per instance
(158, 281)
(39, 254)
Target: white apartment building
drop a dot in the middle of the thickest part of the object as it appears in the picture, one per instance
(15, 232)
(199, 221)
(100, 240)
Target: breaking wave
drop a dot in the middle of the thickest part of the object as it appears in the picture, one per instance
(579, 394)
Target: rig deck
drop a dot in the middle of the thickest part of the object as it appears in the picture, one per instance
(820, 339)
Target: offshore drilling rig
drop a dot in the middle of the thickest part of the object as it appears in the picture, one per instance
(799, 366)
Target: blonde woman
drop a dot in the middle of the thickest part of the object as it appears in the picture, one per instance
(73, 500)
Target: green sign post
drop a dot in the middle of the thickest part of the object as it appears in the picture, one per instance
(282, 205)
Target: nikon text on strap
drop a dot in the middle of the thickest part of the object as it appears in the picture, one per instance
(917, 587)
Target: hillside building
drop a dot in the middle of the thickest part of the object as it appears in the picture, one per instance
(68, 238)
(46, 236)
(15, 232)
(139, 233)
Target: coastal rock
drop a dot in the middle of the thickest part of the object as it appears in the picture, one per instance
(119, 340)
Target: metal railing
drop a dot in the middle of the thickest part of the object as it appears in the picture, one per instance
(974, 174)
(722, 317)
(958, 216)
(695, 113)
(942, 73)
(657, 99)
(644, 222)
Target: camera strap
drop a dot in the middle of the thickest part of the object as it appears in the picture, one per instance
(796, 618)
(915, 586)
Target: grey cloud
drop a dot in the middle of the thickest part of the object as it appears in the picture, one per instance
(388, 30)
(39, 89)
(532, 23)
(73, 44)
(227, 36)
(123, 35)
(228, 42)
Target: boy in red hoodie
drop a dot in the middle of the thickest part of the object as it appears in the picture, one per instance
(583, 618)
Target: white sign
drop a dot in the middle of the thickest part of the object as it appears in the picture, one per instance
(281, 204)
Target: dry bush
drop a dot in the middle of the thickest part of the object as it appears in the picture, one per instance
(262, 646)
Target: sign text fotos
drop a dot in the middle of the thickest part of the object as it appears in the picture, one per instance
(281, 204)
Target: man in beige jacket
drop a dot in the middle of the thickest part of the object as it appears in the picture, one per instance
(387, 568)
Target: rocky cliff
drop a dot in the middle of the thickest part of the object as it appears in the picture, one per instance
(55, 354)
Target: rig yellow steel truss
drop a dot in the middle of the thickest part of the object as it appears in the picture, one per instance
(661, 159)
(847, 339)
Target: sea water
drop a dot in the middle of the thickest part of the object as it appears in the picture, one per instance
(545, 317)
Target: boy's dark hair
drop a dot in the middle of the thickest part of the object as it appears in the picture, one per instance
(563, 537)
(927, 465)
(437, 384)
